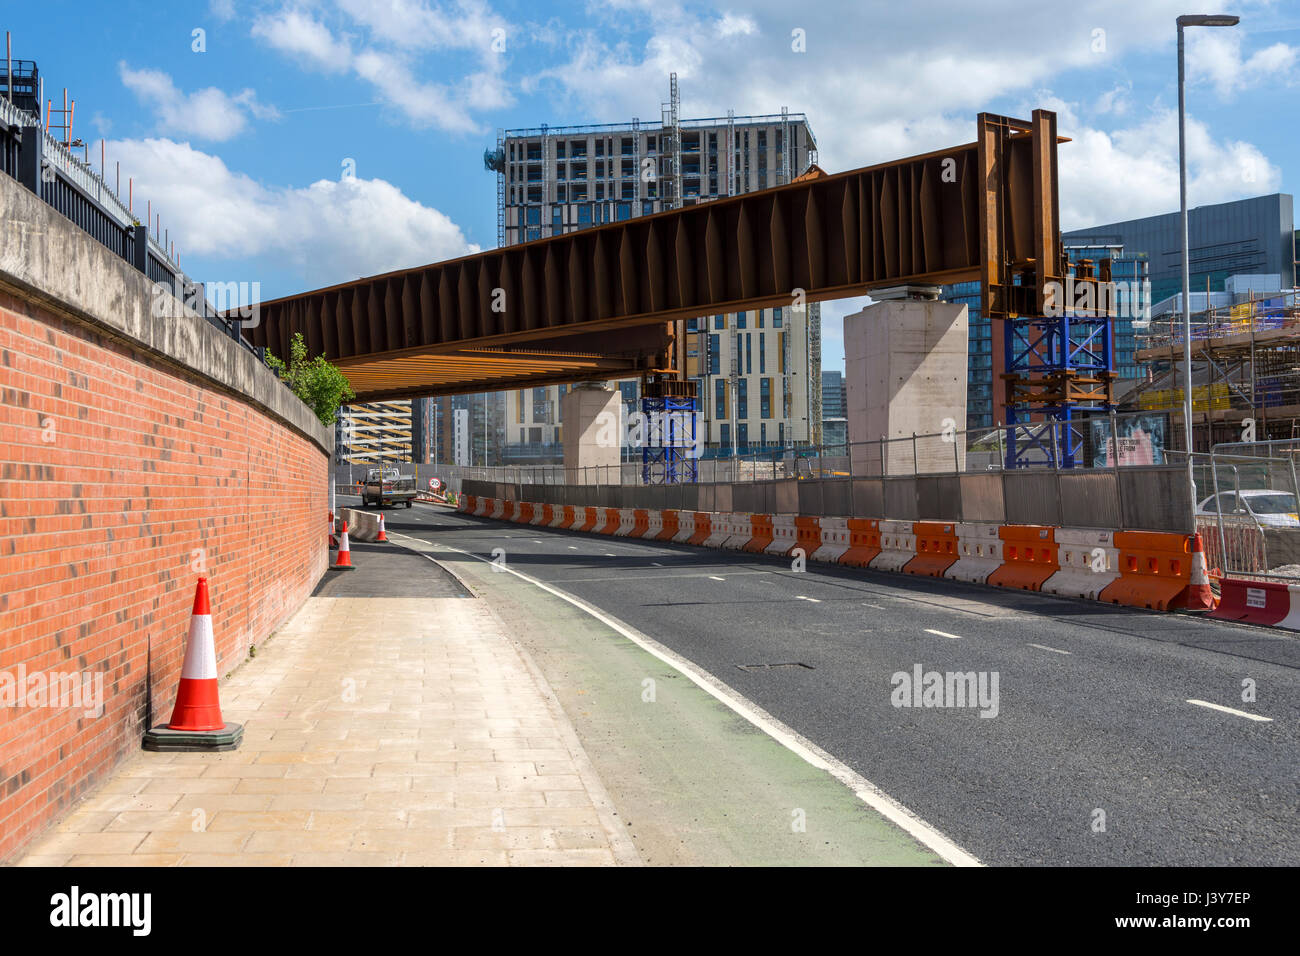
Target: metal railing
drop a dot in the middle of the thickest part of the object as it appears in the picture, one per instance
(1142, 440)
(1247, 532)
(48, 168)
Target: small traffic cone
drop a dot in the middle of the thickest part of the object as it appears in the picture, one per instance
(344, 558)
(196, 722)
(382, 536)
(1200, 596)
(334, 542)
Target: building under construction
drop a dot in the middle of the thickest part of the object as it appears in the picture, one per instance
(757, 376)
(1245, 347)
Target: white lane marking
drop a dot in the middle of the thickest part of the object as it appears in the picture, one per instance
(792, 740)
(800, 597)
(573, 547)
(714, 577)
(1229, 710)
(608, 555)
(656, 564)
(1054, 650)
(955, 637)
(876, 606)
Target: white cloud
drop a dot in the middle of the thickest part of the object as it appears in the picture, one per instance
(397, 32)
(330, 231)
(1133, 172)
(1214, 56)
(209, 113)
(302, 36)
(223, 10)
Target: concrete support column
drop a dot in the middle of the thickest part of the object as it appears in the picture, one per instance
(592, 441)
(905, 372)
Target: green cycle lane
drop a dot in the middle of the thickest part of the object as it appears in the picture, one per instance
(694, 782)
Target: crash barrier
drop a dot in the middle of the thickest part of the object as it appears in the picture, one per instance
(760, 533)
(1155, 571)
(783, 535)
(1028, 557)
(1145, 569)
(936, 549)
(1089, 562)
(1272, 603)
(979, 552)
(897, 546)
(362, 525)
(834, 540)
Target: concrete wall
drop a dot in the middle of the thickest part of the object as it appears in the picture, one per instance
(134, 449)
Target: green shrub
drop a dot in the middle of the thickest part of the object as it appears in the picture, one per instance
(320, 385)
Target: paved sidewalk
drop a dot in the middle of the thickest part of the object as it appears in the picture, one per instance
(378, 731)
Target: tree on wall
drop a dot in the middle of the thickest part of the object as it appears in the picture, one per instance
(320, 385)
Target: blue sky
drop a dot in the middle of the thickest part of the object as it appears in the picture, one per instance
(244, 148)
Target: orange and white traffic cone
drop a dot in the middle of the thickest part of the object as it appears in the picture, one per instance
(381, 536)
(334, 542)
(344, 558)
(197, 707)
(1200, 596)
(196, 722)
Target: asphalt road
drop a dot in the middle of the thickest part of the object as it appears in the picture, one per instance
(1095, 755)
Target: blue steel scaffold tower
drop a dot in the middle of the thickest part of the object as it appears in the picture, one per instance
(668, 452)
(1059, 372)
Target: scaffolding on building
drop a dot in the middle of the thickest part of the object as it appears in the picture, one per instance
(1245, 369)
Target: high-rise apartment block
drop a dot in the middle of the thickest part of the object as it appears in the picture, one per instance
(758, 373)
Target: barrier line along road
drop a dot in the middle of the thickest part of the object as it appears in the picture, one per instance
(793, 741)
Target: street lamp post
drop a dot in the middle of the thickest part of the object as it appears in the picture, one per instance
(1189, 20)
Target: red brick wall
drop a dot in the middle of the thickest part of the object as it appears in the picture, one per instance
(118, 474)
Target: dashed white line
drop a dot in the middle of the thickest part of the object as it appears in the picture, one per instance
(955, 637)
(1054, 650)
(800, 597)
(878, 607)
(573, 547)
(714, 577)
(1229, 710)
(608, 555)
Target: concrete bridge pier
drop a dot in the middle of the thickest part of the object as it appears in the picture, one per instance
(905, 373)
(590, 415)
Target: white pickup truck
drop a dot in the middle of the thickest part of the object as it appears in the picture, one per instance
(385, 486)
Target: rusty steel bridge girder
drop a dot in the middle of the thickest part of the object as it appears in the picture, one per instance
(602, 303)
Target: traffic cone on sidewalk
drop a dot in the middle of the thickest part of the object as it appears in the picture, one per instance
(1200, 596)
(196, 722)
(382, 536)
(334, 543)
(344, 558)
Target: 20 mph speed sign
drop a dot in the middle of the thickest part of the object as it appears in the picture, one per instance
(435, 484)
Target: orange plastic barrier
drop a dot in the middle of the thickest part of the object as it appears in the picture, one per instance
(569, 517)
(468, 503)
(864, 542)
(612, 518)
(524, 513)
(936, 549)
(807, 534)
(642, 523)
(508, 511)
(671, 526)
(1029, 557)
(548, 515)
(703, 528)
(762, 537)
(1155, 569)
(589, 518)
